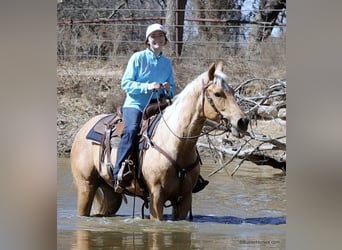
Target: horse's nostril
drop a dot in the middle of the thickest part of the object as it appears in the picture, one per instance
(243, 124)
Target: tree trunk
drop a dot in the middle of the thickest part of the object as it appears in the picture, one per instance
(214, 31)
(174, 23)
(268, 14)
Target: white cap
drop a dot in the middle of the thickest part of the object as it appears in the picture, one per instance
(154, 27)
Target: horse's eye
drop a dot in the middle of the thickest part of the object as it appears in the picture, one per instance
(217, 94)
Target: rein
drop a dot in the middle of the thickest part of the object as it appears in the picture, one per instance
(182, 170)
(205, 94)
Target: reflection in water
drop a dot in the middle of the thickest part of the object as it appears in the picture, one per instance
(209, 236)
(247, 211)
(83, 240)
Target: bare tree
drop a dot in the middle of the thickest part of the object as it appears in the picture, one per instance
(175, 22)
(267, 16)
(214, 9)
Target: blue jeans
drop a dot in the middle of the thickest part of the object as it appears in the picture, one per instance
(131, 118)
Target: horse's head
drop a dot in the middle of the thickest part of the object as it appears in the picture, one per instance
(219, 103)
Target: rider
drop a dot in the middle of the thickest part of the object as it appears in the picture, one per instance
(148, 76)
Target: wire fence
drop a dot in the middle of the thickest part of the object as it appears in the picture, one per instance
(93, 50)
(203, 38)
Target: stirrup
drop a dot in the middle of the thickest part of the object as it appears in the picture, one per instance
(122, 175)
(118, 187)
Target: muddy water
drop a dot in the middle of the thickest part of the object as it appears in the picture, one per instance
(247, 211)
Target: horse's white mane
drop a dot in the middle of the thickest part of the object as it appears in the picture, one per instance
(188, 93)
(191, 87)
(195, 87)
(222, 80)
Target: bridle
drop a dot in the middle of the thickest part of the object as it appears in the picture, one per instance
(223, 121)
(212, 104)
(183, 170)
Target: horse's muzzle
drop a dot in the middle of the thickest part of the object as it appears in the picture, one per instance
(242, 124)
(241, 128)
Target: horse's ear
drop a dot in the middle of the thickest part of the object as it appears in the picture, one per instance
(211, 71)
(219, 66)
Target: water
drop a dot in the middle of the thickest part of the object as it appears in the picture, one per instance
(247, 211)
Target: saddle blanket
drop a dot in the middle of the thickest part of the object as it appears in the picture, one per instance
(96, 133)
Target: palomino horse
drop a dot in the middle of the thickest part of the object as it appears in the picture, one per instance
(170, 166)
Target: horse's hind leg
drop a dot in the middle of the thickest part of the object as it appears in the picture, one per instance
(85, 195)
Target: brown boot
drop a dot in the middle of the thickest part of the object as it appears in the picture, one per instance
(124, 177)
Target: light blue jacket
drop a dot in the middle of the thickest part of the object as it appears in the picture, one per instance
(145, 67)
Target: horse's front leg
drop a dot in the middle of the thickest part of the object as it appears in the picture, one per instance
(184, 201)
(157, 203)
(180, 211)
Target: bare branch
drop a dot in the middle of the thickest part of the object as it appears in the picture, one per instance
(259, 148)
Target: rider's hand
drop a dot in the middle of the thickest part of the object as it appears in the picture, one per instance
(165, 86)
(153, 86)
